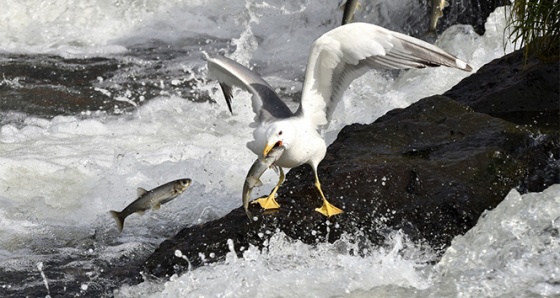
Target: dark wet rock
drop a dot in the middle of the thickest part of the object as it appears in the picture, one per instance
(65, 274)
(429, 170)
(47, 86)
(510, 89)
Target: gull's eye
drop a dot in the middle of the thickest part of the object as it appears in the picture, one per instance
(280, 133)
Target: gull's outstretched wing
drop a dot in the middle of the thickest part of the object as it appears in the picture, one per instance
(347, 52)
(265, 101)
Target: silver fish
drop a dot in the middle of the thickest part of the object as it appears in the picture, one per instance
(349, 6)
(257, 169)
(151, 199)
(437, 13)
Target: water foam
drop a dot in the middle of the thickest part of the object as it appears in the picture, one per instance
(288, 268)
(513, 250)
(102, 27)
(72, 171)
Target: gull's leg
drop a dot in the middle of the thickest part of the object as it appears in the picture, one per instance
(327, 209)
(269, 202)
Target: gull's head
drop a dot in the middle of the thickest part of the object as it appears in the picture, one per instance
(278, 134)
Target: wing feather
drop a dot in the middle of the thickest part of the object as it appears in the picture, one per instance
(347, 52)
(265, 101)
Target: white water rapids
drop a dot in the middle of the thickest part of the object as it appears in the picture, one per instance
(59, 177)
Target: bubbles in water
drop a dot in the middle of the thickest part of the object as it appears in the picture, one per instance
(290, 268)
(513, 250)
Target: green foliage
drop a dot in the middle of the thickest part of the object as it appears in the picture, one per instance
(534, 24)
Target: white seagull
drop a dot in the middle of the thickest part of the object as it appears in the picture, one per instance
(336, 59)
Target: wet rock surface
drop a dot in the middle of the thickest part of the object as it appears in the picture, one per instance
(49, 85)
(45, 85)
(63, 275)
(522, 93)
(429, 170)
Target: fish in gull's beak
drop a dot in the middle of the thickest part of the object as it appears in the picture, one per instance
(269, 147)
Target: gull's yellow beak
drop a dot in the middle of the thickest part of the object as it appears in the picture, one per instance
(269, 147)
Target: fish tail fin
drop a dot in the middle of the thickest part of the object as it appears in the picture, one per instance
(118, 218)
(430, 35)
(249, 215)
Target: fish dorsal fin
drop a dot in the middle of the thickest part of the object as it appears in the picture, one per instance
(140, 191)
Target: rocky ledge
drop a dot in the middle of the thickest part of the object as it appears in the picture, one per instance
(429, 170)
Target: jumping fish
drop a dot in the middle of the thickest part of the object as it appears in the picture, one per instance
(151, 199)
(437, 13)
(349, 6)
(253, 176)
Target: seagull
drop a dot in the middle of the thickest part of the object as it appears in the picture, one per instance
(335, 60)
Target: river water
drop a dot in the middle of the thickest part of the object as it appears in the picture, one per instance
(159, 120)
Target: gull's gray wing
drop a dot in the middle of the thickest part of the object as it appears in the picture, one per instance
(347, 52)
(265, 101)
